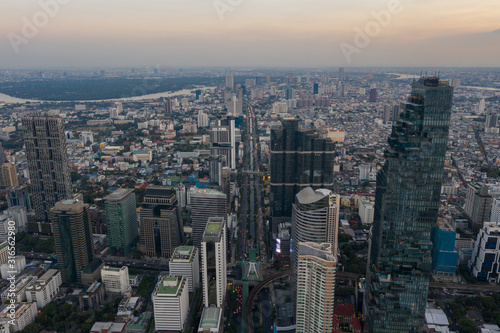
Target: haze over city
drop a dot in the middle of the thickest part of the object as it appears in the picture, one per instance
(246, 33)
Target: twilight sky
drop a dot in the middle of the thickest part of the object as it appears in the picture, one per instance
(114, 33)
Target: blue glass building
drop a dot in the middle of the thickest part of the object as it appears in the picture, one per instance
(444, 255)
(406, 209)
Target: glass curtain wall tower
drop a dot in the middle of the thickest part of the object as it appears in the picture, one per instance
(406, 209)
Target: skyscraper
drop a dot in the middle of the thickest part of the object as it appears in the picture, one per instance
(485, 258)
(478, 203)
(213, 262)
(315, 218)
(299, 158)
(341, 74)
(8, 175)
(387, 114)
(121, 221)
(73, 239)
(223, 140)
(406, 209)
(161, 222)
(230, 81)
(315, 88)
(373, 95)
(48, 163)
(205, 203)
(168, 106)
(316, 288)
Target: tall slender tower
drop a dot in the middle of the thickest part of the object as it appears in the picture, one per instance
(72, 238)
(121, 221)
(213, 262)
(316, 283)
(48, 163)
(406, 209)
(315, 218)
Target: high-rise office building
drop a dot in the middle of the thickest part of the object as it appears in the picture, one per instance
(73, 240)
(481, 107)
(8, 175)
(230, 81)
(495, 211)
(485, 259)
(48, 163)
(444, 254)
(341, 74)
(223, 140)
(406, 209)
(373, 95)
(491, 124)
(395, 112)
(213, 262)
(161, 222)
(316, 288)
(19, 196)
(289, 93)
(205, 203)
(299, 158)
(170, 303)
(185, 262)
(387, 113)
(121, 221)
(168, 106)
(315, 88)
(478, 203)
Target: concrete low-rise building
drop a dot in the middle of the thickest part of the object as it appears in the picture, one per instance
(18, 293)
(45, 289)
(211, 320)
(24, 314)
(116, 280)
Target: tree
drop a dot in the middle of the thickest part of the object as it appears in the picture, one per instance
(467, 326)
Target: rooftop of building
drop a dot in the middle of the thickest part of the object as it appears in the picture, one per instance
(308, 195)
(183, 253)
(195, 190)
(213, 228)
(119, 194)
(322, 251)
(210, 318)
(169, 286)
(113, 269)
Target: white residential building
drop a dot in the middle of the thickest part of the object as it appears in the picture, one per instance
(45, 289)
(185, 262)
(202, 119)
(315, 288)
(366, 211)
(19, 264)
(24, 314)
(171, 303)
(213, 262)
(19, 292)
(116, 280)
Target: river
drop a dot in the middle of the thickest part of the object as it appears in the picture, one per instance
(10, 100)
